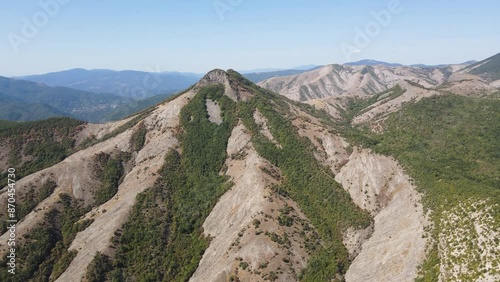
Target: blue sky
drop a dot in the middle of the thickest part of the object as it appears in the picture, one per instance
(199, 35)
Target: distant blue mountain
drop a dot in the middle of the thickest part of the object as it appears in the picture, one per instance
(372, 63)
(22, 100)
(131, 84)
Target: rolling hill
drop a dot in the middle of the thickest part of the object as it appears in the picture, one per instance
(28, 101)
(335, 81)
(137, 85)
(488, 69)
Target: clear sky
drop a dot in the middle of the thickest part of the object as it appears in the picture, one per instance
(199, 35)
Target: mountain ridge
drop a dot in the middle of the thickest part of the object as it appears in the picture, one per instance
(45, 101)
(230, 174)
(127, 83)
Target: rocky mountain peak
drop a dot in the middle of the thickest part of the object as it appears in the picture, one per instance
(214, 76)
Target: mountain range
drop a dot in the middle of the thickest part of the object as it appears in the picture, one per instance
(23, 100)
(137, 85)
(341, 173)
(361, 80)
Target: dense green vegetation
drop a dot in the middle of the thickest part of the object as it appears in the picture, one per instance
(139, 137)
(311, 185)
(43, 254)
(449, 145)
(33, 146)
(14, 109)
(29, 201)
(47, 142)
(162, 240)
(97, 269)
(488, 69)
(446, 142)
(110, 175)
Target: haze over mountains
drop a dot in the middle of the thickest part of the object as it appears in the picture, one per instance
(131, 84)
(355, 79)
(104, 95)
(23, 100)
(340, 173)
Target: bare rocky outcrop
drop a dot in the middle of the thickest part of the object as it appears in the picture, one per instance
(496, 84)
(378, 112)
(354, 81)
(214, 112)
(112, 215)
(331, 106)
(393, 247)
(331, 149)
(396, 248)
(261, 121)
(74, 176)
(244, 221)
(218, 76)
(98, 131)
(467, 85)
(353, 239)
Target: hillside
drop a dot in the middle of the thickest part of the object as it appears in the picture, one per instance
(359, 80)
(449, 144)
(28, 101)
(228, 181)
(16, 109)
(137, 85)
(488, 69)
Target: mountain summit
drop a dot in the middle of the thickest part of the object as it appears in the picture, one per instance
(228, 181)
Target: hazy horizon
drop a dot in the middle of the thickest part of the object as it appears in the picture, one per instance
(54, 35)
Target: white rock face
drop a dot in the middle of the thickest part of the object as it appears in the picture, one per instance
(74, 176)
(214, 112)
(98, 131)
(97, 237)
(396, 248)
(496, 84)
(231, 224)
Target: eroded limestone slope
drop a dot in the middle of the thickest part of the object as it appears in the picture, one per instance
(248, 242)
(110, 216)
(375, 114)
(342, 80)
(379, 185)
(75, 176)
(396, 248)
